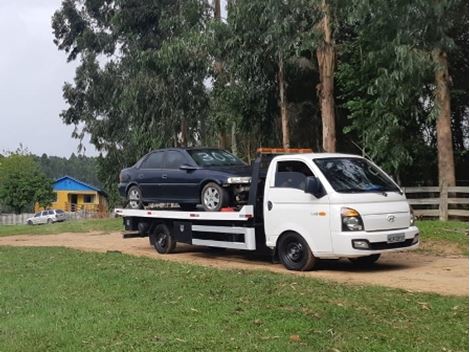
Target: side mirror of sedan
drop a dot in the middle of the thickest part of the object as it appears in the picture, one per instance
(314, 187)
(187, 167)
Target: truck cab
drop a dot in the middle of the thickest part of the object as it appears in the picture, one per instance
(335, 205)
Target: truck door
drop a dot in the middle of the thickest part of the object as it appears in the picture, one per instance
(288, 208)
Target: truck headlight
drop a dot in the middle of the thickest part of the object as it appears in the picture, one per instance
(351, 220)
(412, 216)
(238, 180)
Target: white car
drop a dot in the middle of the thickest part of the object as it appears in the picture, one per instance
(47, 217)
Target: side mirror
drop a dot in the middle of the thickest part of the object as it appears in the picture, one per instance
(313, 186)
(187, 167)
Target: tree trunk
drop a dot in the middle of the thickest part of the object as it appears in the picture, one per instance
(326, 57)
(283, 104)
(234, 138)
(184, 133)
(445, 150)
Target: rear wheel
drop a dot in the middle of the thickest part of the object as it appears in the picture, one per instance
(134, 198)
(294, 252)
(214, 197)
(162, 239)
(364, 261)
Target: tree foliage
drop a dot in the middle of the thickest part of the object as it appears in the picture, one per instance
(22, 183)
(166, 73)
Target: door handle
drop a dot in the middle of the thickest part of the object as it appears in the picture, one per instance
(270, 205)
(164, 176)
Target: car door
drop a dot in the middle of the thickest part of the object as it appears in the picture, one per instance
(36, 219)
(179, 185)
(149, 176)
(44, 217)
(288, 208)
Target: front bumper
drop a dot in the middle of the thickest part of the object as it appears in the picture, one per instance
(377, 242)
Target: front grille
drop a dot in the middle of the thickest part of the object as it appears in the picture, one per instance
(385, 245)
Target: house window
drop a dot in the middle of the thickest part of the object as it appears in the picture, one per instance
(87, 198)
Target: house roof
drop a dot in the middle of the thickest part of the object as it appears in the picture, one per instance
(68, 183)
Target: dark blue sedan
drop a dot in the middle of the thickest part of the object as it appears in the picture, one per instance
(188, 176)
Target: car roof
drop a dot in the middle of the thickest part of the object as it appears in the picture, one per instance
(311, 156)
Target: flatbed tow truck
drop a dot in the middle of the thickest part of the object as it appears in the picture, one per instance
(302, 206)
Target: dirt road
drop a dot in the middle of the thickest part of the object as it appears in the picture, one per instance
(409, 271)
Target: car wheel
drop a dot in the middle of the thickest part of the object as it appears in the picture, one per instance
(367, 260)
(29, 222)
(294, 252)
(134, 198)
(162, 239)
(49, 221)
(213, 197)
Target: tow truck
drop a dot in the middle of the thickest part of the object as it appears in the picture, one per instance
(302, 207)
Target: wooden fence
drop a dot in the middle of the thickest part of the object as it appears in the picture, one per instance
(438, 202)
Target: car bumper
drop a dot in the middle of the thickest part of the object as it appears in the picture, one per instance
(122, 187)
(377, 242)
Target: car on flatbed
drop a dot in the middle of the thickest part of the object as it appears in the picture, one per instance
(304, 207)
(211, 177)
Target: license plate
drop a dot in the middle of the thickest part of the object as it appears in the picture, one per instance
(397, 237)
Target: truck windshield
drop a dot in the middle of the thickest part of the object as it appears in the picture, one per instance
(214, 157)
(355, 175)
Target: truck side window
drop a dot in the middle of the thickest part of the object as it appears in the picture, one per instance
(291, 174)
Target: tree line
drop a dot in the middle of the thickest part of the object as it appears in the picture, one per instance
(387, 79)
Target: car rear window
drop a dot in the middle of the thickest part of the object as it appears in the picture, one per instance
(214, 157)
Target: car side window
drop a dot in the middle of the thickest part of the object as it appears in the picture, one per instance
(174, 159)
(291, 174)
(37, 215)
(44, 213)
(153, 161)
(51, 212)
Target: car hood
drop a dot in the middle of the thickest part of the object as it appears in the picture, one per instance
(232, 170)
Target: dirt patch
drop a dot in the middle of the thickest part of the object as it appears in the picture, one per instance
(410, 271)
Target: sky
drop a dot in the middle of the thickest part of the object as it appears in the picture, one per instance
(32, 73)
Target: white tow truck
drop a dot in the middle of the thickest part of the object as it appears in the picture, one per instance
(302, 207)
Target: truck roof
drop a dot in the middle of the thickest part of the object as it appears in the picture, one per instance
(311, 156)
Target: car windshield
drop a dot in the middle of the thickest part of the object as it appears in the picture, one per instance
(355, 175)
(214, 157)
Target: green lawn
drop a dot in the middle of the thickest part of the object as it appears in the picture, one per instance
(440, 234)
(106, 225)
(54, 299)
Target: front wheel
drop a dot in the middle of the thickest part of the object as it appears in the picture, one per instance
(214, 197)
(294, 253)
(162, 239)
(134, 198)
(367, 260)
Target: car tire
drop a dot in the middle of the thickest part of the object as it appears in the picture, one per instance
(365, 261)
(214, 197)
(29, 222)
(162, 239)
(134, 198)
(294, 252)
(49, 221)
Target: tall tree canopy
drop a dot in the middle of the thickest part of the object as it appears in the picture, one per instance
(358, 76)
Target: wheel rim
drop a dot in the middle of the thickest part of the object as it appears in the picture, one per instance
(162, 240)
(295, 252)
(211, 198)
(134, 198)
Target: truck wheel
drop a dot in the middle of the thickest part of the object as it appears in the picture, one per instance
(134, 198)
(162, 239)
(294, 252)
(367, 260)
(213, 197)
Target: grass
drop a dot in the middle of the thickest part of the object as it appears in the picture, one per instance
(54, 299)
(439, 237)
(105, 225)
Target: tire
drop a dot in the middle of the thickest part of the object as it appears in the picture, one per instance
(134, 198)
(365, 261)
(213, 197)
(49, 221)
(29, 222)
(162, 239)
(294, 252)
